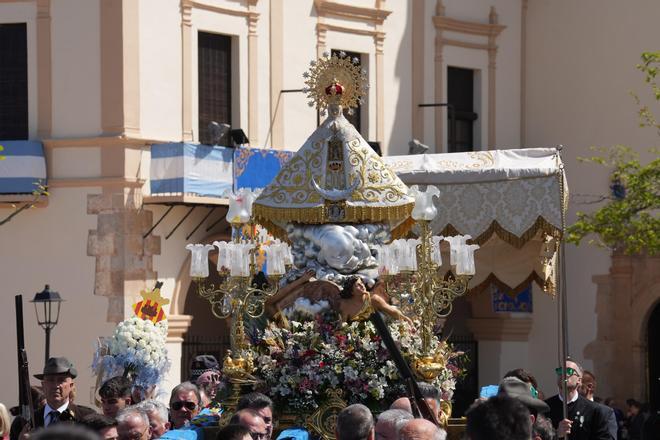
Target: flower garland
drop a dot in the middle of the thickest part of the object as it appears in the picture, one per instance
(137, 348)
(318, 352)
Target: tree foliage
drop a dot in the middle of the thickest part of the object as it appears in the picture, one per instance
(629, 220)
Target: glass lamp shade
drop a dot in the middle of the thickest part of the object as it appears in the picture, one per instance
(224, 255)
(199, 266)
(424, 207)
(455, 244)
(240, 205)
(436, 255)
(239, 266)
(465, 263)
(47, 307)
(275, 258)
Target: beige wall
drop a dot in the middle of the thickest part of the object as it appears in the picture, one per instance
(49, 246)
(581, 66)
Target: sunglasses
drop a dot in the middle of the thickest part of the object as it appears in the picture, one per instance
(178, 405)
(569, 371)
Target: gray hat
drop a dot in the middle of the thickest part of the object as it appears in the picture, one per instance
(201, 364)
(516, 388)
(58, 365)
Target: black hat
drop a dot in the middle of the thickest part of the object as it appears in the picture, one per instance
(516, 388)
(58, 365)
(201, 364)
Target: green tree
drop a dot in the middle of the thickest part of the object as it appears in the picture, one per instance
(628, 221)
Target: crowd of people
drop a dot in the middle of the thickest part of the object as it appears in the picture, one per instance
(516, 412)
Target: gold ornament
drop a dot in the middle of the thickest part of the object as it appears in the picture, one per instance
(335, 80)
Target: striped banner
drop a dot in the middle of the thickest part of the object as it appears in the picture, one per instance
(149, 311)
(23, 167)
(180, 168)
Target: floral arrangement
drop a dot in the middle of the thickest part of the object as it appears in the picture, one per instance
(137, 348)
(317, 352)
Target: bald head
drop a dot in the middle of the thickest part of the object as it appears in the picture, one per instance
(421, 429)
(402, 403)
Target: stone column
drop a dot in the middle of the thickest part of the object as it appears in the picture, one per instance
(124, 259)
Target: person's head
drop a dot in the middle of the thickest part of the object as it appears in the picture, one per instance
(57, 381)
(253, 422)
(104, 426)
(355, 422)
(208, 383)
(573, 376)
(421, 429)
(65, 431)
(205, 373)
(5, 421)
(353, 286)
(390, 423)
(115, 395)
(523, 375)
(542, 428)
(157, 413)
(233, 432)
(588, 385)
(133, 424)
(184, 404)
(634, 407)
(516, 388)
(499, 418)
(262, 405)
(402, 403)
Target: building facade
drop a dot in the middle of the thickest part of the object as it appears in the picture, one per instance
(106, 79)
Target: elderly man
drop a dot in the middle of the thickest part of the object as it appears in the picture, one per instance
(115, 395)
(184, 404)
(262, 405)
(355, 422)
(421, 429)
(133, 424)
(250, 419)
(57, 381)
(156, 411)
(585, 420)
(390, 423)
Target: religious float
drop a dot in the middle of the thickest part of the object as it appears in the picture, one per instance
(337, 238)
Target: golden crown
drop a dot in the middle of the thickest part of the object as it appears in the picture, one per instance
(335, 79)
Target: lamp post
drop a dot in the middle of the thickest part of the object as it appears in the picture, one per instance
(47, 317)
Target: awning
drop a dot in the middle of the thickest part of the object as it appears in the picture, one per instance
(509, 201)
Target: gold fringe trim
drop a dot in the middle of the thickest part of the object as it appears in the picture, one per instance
(403, 229)
(512, 292)
(319, 214)
(540, 224)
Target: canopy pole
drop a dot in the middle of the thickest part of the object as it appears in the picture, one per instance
(562, 305)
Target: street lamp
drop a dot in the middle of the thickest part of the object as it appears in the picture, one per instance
(46, 316)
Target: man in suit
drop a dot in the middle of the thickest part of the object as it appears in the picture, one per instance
(585, 420)
(57, 381)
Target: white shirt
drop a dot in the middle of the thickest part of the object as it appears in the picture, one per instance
(48, 409)
(571, 400)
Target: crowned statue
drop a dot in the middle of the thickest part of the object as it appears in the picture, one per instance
(335, 202)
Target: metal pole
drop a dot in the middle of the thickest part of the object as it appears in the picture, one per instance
(562, 304)
(47, 329)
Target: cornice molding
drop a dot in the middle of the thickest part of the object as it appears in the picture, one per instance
(252, 15)
(342, 10)
(444, 23)
(101, 141)
(177, 326)
(324, 27)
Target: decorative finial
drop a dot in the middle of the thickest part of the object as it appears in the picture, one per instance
(335, 80)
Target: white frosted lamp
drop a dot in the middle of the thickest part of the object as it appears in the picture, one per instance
(424, 207)
(199, 266)
(465, 264)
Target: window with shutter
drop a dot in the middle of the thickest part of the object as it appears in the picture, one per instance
(214, 82)
(460, 94)
(13, 82)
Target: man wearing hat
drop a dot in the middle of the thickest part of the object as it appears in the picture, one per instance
(57, 382)
(205, 373)
(516, 388)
